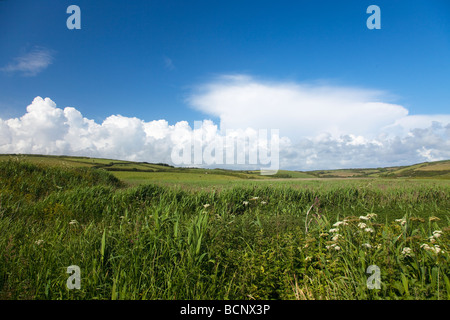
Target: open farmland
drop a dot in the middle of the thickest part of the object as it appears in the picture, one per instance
(150, 231)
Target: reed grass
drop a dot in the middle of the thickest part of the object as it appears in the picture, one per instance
(243, 242)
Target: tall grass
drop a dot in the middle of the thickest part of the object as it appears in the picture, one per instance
(247, 242)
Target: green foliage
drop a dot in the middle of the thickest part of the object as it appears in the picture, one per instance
(243, 242)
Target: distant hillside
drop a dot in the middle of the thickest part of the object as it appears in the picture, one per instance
(119, 167)
(437, 169)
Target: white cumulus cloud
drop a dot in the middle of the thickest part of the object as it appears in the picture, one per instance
(298, 110)
(326, 126)
(320, 127)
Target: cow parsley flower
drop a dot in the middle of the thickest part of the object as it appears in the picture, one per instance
(406, 251)
(437, 233)
(435, 249)
(337, 224)
(333, 246)
(336, 237)
(362, 225)
(402, 221)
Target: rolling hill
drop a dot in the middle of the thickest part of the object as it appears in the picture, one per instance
(437, 169)
(141, 171)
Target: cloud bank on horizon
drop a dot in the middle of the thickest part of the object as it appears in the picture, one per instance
(321, 127)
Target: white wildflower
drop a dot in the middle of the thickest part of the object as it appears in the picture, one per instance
(263, 202)
(371, 215)
(245, 203)
(39, 242)
(369, 230)
(362, 225)
(367, 245)
(336, 237)
(333, 246)
(206, 205)
(363, 218)
(406, 251)
(333, 230)
(254, 198)
(402, 221)
(437, 249)
(437, 233)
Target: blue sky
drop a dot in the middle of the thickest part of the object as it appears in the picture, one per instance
(146, 59)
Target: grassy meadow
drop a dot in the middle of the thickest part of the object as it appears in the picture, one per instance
(151, 231)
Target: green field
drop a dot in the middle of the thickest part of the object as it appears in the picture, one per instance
(135, 173)
(151, 231)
